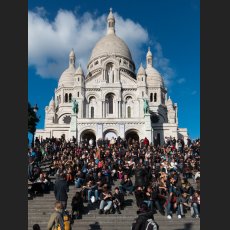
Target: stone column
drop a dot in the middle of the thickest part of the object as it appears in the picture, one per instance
(122, 130)
(73, 126)
(117, 109)
(99, 133)
(123, 111)
(102, 109)
(105, 109)
(87, 110)
(148, 127)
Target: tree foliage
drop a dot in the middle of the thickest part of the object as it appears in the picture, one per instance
(32, 119)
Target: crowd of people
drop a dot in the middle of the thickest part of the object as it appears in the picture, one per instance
(162, 174)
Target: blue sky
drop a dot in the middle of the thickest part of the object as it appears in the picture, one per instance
(170, 28)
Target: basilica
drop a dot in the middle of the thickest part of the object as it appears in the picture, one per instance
(111, 97)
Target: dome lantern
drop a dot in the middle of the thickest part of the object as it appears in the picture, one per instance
(72, 58)
(110, 23)
(149, 58)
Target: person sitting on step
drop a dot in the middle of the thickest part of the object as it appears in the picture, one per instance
(183, 204)
(91, 190)
(195, 203)
(106, 200)
(118, 200)
(77, 205)
(126, 185)
(148, 197)
(139, 195)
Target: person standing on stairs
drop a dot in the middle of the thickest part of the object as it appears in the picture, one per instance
(145, 217)
(56, 218)
(60, 190)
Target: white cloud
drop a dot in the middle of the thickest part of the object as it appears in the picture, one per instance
(49, 42)
(181, 80)
(41, 11)
(162, 64)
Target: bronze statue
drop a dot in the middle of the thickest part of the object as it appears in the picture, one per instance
(146, 106)
(75, 106)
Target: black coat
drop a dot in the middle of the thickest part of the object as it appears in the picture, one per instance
(60, 190)
(140, 177)
(141, 220)
(119, 196)
(140, 196)
(77, 204)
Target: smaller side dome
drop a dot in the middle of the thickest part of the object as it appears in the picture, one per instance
(153, 77)
(169, 102)
(52, 104)
(141, 70)
(67, 77)
(79, 71)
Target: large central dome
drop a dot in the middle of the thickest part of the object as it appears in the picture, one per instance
(111, 44)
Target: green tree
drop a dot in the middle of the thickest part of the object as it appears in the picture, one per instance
(32, 121)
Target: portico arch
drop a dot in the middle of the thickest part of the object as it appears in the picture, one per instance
(109, 133)
(88, 134)
(133, 134)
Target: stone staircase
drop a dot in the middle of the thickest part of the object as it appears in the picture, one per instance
(40, 209)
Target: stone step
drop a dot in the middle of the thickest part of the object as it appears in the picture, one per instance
(40, 209)
(123, 227)
(105, 226)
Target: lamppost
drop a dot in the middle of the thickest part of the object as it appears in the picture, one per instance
(35, 109)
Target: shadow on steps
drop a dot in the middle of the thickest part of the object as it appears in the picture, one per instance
(187, 226)
(95, 226)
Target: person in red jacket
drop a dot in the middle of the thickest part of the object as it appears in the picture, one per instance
(146, 141)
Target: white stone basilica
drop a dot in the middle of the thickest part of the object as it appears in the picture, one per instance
(111, 97)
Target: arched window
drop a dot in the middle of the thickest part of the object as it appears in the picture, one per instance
(66, 97)
(110, 24)
(151, 97)
(78, 79)
(155, 97)
(129, 112)
(77, 94)
(92, 112)
(109, 103)
(70, 97)
(59, 98)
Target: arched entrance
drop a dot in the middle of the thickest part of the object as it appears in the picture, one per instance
(132, 134)
(88, 134)
(109, 134)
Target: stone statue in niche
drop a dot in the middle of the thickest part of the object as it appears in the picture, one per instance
(111, 74)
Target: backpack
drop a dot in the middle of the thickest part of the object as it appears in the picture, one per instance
(67, 224)
(151, 225)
